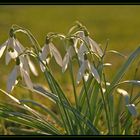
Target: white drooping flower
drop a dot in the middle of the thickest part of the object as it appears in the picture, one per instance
(81, 51)
(19, 70)
(86, 68)
(93, 46)
(28, 64)
(71, 52)
(13, 49)
(49, 50)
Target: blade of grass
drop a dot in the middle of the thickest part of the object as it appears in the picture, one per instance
(53, 115)
(76, 112)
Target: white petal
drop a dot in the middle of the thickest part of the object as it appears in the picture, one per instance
(10, 42)
(7, 58)
(75, 45)
(26, 78)
(125, 94)
(32, 67)
(48, 60)
(86, 76)
(132, 109)
(83, 49)
(95, 74)
(103, 89)
(42, 66)
(95, 47)
(2, 48)
(71, 51)
(107, 64)
(18, 46)
(81, 73)
(65, 62)
(45, 52)
(24, 63)
(11, 82)
(56, 54)
(107, 83)
(13, 54)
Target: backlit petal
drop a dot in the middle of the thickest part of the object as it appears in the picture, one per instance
(65, 62)
(83, 49)
(7, 58)
(26, 78)
(56, 54)
(81, 72)
(2, 48)
(45, 52)
(18, 46)
(95, 47)
(32, 67)
(95, 74)
(12, 79)
(42, 66)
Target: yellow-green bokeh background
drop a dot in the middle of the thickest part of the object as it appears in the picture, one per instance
(118, 23)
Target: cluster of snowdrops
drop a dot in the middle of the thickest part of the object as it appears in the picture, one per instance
(96, 96)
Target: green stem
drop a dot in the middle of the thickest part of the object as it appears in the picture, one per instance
(132, 88)
(54, 90)
(73, 84)
(106, 110)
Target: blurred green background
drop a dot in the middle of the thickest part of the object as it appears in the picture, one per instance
(118, 23)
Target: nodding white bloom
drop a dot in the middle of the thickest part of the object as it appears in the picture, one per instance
(85, 68)
(71, 52)
(94, 47)
(28, 64)
(81, 51)
(18, 70)
(49, 50)
(13, 49)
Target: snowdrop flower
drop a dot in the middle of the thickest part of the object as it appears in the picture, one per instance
(87, 67)
(49, 50)
(94, 47)
(71, 52)
(28, 64)
(13, 49)
(81, 51)
(17, 72)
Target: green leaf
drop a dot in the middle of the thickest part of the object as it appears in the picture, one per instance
(118, 76)
(53, 115)
(23, 131)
